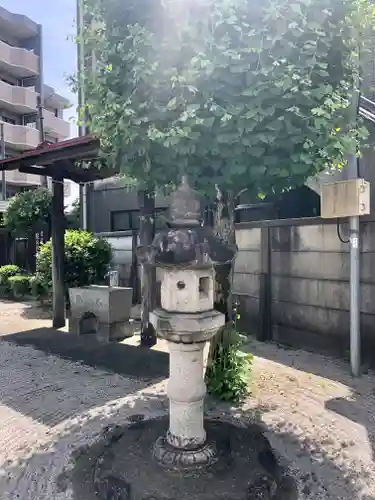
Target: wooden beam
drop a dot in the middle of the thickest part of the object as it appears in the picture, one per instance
(46, 171)
(68, 170)
(58, 231)
(86, 152)
(49, 171)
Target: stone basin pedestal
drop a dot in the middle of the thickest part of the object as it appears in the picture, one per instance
(101, 310)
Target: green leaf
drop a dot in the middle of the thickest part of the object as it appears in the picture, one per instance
(242, 101)
(192, 108)
(296, 8)
(208, 122)
(257, 151)
(249, 92)
(172, 104)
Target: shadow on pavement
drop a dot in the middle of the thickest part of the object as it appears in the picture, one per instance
(119, 358)
(316, 473)
(33, 310)
(357, 410)
(303, 360)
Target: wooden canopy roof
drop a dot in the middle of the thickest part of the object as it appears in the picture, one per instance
(58, 160)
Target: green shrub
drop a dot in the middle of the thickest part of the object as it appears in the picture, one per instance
(7, 272)
(38, 288)
(87, 260)
(19, 286)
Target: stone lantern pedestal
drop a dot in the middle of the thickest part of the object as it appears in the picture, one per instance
(185, 445)
(183, 455)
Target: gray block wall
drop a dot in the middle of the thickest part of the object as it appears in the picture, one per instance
(309, 282)
(122, 254)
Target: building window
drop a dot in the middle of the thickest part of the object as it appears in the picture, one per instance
(29, 120)
(6, 119)
(5, 40)
(120, 221)
(8, 82)
(124, 220)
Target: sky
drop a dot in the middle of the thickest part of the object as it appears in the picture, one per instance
(59, 52)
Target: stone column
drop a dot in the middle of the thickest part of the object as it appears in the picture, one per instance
(186, 391)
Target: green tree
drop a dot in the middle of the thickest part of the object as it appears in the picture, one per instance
(29, 211)
(73, 217)
(229, 91)
(235, 93)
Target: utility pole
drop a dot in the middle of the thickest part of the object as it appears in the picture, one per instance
(3, 176)
(355, 254)
(350, 199)
(81, 103)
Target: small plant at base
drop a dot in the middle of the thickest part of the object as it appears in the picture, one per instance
(227, 376)
(19, 286)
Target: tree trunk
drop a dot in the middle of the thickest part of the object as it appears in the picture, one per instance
(224, 229)
(148, 280)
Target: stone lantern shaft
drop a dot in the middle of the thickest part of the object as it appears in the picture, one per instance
(186, 391)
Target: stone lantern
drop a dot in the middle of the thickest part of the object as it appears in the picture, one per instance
(187, 253)
(235, 460)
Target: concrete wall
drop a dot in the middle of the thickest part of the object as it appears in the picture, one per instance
(309, 282)
(122, 245)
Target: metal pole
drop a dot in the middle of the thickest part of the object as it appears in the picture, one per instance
(355, 314)
(3, 176)
(355, 279)
(81, 103)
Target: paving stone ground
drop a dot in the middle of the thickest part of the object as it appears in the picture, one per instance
(51, 404)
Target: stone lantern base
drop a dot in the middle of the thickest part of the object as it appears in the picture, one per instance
(121, 467)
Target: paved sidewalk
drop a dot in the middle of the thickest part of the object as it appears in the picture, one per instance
(318, 417)
(51, 405)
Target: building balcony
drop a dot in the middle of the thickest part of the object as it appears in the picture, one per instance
(19, 25)
(22, 179)
(17, 61)
(3, 206)
(56, 126)
(18, 99)
(20, 137)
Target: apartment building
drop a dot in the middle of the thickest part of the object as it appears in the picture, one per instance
(22, 90)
